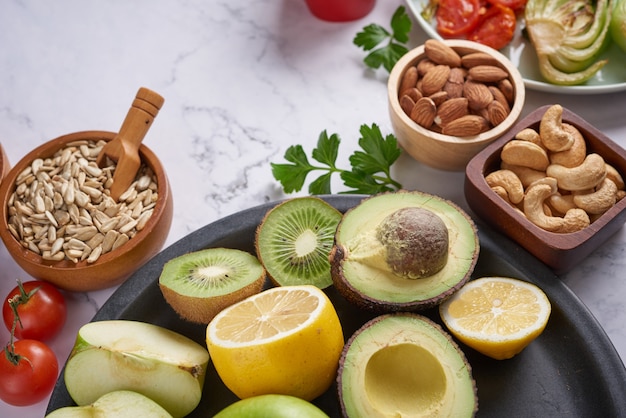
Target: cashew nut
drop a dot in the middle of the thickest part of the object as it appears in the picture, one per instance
(525, 174)
(575, 155)
(561, 203)
(574, 219)
(584, 176)
(525, 154)
(550, 181)
(614, 175)
(509, 182)
(553, 136)
(530, 135)
(599, 201)
(501, 191)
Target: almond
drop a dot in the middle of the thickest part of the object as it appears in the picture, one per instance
(439, 97)
(450, 110)
(499, 96)
(477, 58)
(506, 87)
(414, 94)
(407, 103)
(423, 66)
(496, 113)
(487, 73)
(409, 80)
(434, 79)
(440, 53)
(424, 111)
(468, 125)
(454, 85)
(477, 94)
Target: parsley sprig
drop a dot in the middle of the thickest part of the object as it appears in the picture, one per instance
(370, 168)
(373, 35)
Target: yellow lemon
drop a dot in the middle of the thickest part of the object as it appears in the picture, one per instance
(285, 340)
(497, 316)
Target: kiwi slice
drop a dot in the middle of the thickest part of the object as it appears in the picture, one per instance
(294, 239)
(200, 284)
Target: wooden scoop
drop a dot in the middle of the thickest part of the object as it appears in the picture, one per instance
(124, 148)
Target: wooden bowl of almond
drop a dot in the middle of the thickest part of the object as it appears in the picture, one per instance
(449, 99)
(59, 223)
(553, 183)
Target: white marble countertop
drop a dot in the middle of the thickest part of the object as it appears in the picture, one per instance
(242, 81)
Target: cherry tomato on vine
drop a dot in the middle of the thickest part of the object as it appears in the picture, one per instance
(495, 28)
(456, 18)
(33, 375)
(41, 309)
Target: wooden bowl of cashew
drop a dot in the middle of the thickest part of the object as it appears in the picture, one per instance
(553, 183)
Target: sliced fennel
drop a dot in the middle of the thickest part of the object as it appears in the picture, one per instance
(568, 36)
(618, 24)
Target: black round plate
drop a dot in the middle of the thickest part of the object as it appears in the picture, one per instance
(571, 370)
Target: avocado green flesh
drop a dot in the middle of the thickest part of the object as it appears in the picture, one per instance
(364, 265)
(405, 365)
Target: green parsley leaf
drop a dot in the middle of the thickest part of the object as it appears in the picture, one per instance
(373, 35)
(370, 168)
(293, 176)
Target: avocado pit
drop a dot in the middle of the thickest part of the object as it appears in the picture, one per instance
(416, 242)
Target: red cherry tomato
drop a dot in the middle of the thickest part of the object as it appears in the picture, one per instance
(42, 312)
(495, 28)
(513, 4)
(32, 378)
(456, 18)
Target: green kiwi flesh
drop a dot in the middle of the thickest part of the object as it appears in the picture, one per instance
(198, 285)
(294, 240)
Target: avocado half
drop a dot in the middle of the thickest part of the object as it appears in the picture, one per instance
(362, 260)
(404, 364)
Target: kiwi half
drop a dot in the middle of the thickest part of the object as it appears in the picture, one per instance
(294, 239)
(200, 284)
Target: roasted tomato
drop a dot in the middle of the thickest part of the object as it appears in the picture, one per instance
(495, 28)
(456, 18)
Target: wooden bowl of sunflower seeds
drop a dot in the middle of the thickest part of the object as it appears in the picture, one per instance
(5, 165)
(449, 99)
(60, 224)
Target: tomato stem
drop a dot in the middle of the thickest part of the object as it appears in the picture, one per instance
(14, 303)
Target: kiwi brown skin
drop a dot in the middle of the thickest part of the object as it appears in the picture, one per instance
(339, 255)
(201, 310)
(200, 303)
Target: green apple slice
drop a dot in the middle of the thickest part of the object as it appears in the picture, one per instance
(119, 404)
(161, 364)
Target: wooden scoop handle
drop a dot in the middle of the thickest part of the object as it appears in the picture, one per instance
(140, 116)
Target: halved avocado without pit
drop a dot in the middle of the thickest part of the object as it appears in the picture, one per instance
(404, 364)
(403, 251)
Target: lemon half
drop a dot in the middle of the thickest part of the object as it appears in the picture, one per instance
(285, 340)
(497, 316)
